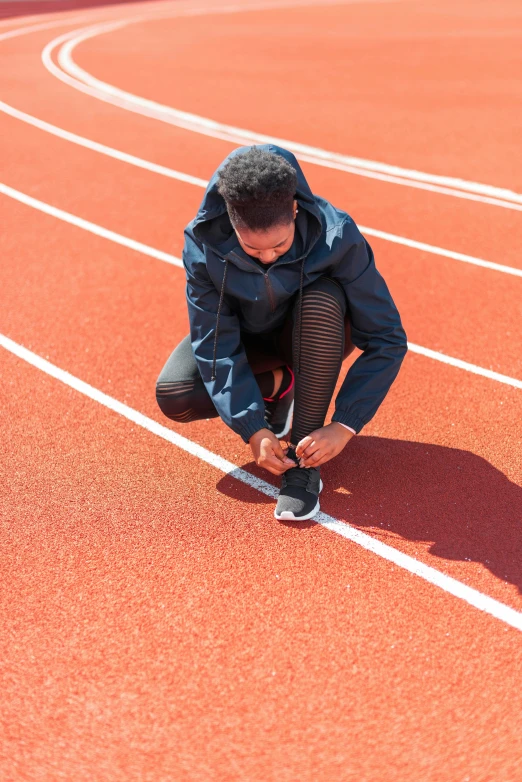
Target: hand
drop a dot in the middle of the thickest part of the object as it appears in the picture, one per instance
(268, 452)
(322, 445)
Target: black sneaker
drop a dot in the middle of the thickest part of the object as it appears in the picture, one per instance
(279, 411)
(299, 495)
(278, 414)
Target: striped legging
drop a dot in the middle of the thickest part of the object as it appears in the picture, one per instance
(315, 340)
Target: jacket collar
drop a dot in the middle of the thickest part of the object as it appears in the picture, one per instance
(211, 222)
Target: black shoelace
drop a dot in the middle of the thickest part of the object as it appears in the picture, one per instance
(296, 476)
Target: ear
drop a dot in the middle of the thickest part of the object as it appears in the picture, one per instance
(295, 209)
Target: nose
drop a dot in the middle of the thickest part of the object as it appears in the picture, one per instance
(267, 256)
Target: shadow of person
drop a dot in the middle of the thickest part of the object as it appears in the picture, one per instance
(457, 502)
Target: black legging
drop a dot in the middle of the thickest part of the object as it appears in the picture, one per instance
(317, 348)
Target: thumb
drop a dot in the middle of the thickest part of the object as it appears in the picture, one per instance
(303, 444)
(278, 450)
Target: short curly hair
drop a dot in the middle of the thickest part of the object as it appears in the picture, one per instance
(259, 189)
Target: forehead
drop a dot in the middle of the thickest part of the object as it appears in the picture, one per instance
(265, 240)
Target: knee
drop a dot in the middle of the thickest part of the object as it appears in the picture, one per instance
(328, 289)
(174, 400)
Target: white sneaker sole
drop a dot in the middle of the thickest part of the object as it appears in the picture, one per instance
(287, 515)
(288, 424)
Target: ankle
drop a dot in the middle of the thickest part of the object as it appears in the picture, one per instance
(278, 379)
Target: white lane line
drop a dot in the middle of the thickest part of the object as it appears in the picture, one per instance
(349, 168)
(102, 148)
(80, 79)
(450, 585)
(459, 364)
(86, 225)
(434, 250)
(397, 180)
(198, 182)
(152, 252)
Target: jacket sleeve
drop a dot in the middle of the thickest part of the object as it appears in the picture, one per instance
(376, 330)
(234, 392)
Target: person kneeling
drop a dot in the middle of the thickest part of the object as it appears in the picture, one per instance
(281, 286)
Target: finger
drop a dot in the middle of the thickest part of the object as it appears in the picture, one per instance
(274, 466)
(302, 444)
(271, 458)
(312, 448)
(285, 465)
(278, 450)
(322, 460)
(314, 460)
(310, 451)
(274, 470)
(284, 457)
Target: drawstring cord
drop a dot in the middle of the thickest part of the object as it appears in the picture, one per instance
(300, 320)
(221, 295)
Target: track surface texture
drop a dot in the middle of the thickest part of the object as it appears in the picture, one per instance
(156, 623)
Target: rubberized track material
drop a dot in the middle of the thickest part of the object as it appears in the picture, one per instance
(157, 623)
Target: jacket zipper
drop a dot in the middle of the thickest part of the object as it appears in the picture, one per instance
(270, 291)
(267, 282)
(267, 279)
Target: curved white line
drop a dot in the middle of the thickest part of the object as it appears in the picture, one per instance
(152, 252)
(85, 82)
(197, 181)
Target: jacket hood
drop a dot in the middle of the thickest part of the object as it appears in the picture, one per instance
(211, 225)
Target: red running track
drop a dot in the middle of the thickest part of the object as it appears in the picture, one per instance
(158, 624)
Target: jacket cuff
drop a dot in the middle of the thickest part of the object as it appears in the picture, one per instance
(250, 427)
(350, 429)
(348, 419)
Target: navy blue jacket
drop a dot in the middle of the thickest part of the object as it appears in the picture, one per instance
(228, 292)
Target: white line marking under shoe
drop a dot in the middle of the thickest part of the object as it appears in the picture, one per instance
(450, 585)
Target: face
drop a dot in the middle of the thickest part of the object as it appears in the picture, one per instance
(267, 246)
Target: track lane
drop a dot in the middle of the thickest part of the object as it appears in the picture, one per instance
(158, 635)
(388, 78)
(458, 589)
(132, 202)
(444, 220)
(503, 330)
(68, 71)
(185, 697)
(151, 252)
(123, 294)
